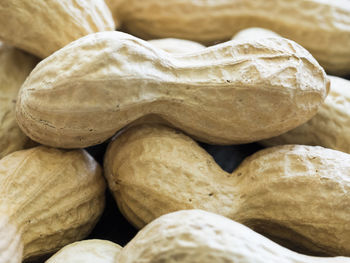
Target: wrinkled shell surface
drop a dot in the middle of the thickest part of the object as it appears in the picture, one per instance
(201, 237)
(15, 67)
(87, 251)
(234, 92)
(43, 26)
(321, 26)
(294, 194)
(50, 197)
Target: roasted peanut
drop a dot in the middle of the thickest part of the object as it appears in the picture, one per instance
(234, 92)
(293, 193)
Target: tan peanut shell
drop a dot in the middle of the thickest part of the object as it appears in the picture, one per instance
(49, 198)
(88, 251)
(293, 193)
(330, 127)
(176, 46)
(234, 92)
(15, 66)
(195, 236)
(41, 27)
(321, 26)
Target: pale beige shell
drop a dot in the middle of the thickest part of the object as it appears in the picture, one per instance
(49, 198)
(195, 236)
(43, 26)
(330, 127)
(88, 251)
(234, 92)
(294, 194)
(176, 46)
(15, 67)
(321, 26)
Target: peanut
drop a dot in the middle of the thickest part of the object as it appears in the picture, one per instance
(43, 26)
(15, 66)
(201, 237)
(293, 193)
(87, 251)
(234, 92)
(322, 27)
(49, 198)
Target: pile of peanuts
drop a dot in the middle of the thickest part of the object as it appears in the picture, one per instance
(152, 79)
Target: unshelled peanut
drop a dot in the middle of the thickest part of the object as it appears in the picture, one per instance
(293, 193)
(15, 67)
(41, 27)
(235, 92)
(195, 236)
(49, 198)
